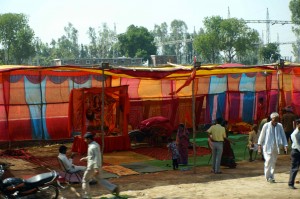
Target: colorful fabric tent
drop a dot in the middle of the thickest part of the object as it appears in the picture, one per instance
(34, 100)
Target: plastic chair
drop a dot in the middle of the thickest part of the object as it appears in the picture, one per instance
(78, 174)
(255, 153)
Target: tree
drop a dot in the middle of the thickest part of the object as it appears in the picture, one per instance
(237, 38)
(137, 41)
(16, 37)
(107, 38)
(295, 10)
(231, 36)
(67, 45)
(207, 43)
(178, 31)
(93, 42)
(161, 36)
(270, 53)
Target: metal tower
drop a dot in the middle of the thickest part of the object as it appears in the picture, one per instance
(268, 27)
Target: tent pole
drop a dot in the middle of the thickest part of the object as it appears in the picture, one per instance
(194, 126)
(102, 114)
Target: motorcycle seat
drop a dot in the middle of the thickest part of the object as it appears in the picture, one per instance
(40, 179)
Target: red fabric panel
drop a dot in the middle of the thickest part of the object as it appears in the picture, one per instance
(296, 102)
(234, 107)
(111, 143)
(20, 129)
(4, 133)
(135, 114)
(148, 74)
(273, 101)
(57, 127)
(133, 91)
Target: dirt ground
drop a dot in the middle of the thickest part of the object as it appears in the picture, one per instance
(246, 181)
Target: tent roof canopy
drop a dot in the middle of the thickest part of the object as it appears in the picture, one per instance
(170, 71)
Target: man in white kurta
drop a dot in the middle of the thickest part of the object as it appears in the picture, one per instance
(271, 137)
(94, 167)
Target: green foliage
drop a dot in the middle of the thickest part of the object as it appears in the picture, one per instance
(270, 53)
(136, 41)
(295, 10)
(16, 37)
(231, 37)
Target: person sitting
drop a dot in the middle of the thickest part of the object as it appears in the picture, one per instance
(252, 141)
(68, 162)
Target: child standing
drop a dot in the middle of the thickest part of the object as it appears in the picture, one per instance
(172, 148)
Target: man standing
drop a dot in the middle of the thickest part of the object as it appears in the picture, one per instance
(288, 122)
(94, 166)
(271, 137)
(295, 155)
(217, 135)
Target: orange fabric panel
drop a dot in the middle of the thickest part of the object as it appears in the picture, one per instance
(150, 88)
(203, 85)
(274, 84)
(56, 93)
(296, 83)
(17, 90)
(234, 82)
(260, 84)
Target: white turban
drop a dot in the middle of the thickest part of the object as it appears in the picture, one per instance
(274, 115)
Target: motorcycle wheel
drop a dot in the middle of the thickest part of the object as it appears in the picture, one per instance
(49, 192)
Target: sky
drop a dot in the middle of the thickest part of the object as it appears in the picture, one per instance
(49, 17)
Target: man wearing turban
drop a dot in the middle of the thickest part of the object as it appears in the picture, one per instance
(272, 136)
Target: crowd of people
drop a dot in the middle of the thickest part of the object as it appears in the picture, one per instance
(270, 136)
(267, 137)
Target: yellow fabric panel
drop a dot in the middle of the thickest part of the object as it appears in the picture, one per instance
(287, 82)
(274, 82)
(115, 81)
(150, 89)
(185, 91)
(233, 82)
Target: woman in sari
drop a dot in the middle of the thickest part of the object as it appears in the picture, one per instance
(228, 157)
(183, 141)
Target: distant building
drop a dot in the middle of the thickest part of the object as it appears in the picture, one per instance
(163, 59)
(89, 62)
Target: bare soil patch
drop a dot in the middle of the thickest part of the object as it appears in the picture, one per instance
(246, 181)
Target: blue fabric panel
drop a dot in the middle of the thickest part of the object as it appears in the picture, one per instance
(248, 107)
(37, 108)
(217, 84)
(15, 78)
(247, 83)
(87, 84)
(210, 100)
(221, 105)
(57, 79)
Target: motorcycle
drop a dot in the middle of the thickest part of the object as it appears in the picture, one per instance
(39, 186)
